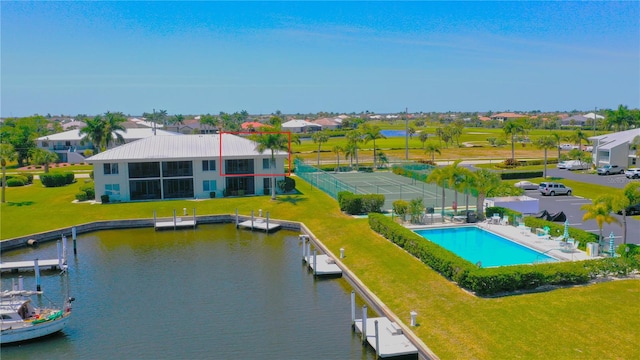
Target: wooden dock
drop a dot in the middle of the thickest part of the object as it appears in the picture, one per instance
(29, 265)
(178, 223)
(259, 224)
(388, 341)
(321, 264)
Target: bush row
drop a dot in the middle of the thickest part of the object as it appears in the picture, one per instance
(482, 281)
(557, 229)
(57, 179)
(520, 175)
(286, 185)
(355, 204)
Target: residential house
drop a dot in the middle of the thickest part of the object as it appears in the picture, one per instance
(300, 126)
(615, 149)
(575, 120)
(502, 117)
(328, 123)
(251, 125)
(70, 146)
(185, 167)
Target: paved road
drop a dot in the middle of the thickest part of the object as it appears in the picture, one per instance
(616, 181)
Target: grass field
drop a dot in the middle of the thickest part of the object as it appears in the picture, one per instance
(585, 322)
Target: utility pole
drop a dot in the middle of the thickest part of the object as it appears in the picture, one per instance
(406, 133)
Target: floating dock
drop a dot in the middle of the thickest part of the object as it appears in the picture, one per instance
(385, 337)
(321, 264)
(29, 265)
(259, 224)
(175, 222)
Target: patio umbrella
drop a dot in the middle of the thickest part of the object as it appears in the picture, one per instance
(611, 244)
(565, 236)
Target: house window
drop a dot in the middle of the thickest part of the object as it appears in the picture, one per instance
(144, 170)
(110, 168)
(265, 163)
(178, 188)
(242, 166)
(176, 168)
(266, 183)
(208, 165)
(112, 189)
(209, 185)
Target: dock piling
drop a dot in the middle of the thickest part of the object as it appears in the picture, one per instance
(341, 253)
(194, 218)
(414, 316)
(174, 219)
(20, 283)
(64, 250)
(364, 324)
(251, 220)
(353, 307)
(36, 268)
(237, 222)
(74, 235)
(315, 261)
(267, 221)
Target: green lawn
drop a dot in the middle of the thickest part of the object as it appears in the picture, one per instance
(585, 322)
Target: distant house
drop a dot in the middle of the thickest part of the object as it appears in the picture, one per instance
(70, 125)
(615, 149)
(328, 123)
(575, 120)
(484, 118)
(251, 125)
(502, 117)
(185, 167)
(300, 126)
(70, 147)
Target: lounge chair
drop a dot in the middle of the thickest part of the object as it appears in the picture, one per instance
(505, 220)
(557, 238)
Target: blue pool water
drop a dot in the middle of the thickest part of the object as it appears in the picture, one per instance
(474, 244)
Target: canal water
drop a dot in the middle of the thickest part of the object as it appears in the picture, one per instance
(211, 293)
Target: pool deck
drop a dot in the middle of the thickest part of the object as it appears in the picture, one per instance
(526, 238)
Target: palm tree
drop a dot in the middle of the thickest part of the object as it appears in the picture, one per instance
(557, 137)
(319, 138)
(512, 128)
(43, 157)
(424, 136)
(113, 128)
(177, 120)
(94, 132)
(337, 150)
(455, 180)
(432, 148)
(545, 142)
(7, 153)
(619, 119)
(372, 133)
(209, 121)
(600, 211)
(272, 140)
(630, 195)
(440, 176)
(483, 181)
(354, 137)
(578, 136)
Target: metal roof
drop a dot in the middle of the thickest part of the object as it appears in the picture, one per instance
(182, 147)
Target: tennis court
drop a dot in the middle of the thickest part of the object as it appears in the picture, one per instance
(392, 186)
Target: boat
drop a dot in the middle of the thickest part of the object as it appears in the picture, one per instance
(21, 320)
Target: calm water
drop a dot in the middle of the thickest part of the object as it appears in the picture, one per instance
(211, 293)
(474, 244)
(393, 133)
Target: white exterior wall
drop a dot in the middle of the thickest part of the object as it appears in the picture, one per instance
(122, 178)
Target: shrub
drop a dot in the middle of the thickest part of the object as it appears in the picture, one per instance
(521, 175)
(81, 196)
(89, 190)
(29, 177)
(286, 185)
(104, 198)
(17, 180)
(400, 207)
(509, 163)
(360, 204)
(212, 194)
(57, 179)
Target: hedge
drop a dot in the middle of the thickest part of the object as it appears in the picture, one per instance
(286, 185)
(356, 204)
(557, 229)
(482, 281)
(520, 175)
(57, 179)
(16, 180)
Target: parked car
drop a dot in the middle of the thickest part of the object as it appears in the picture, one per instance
(526, 185)
(553, 189)
(577, 165)
(610, 170)
(562, 165)
(632, 210)
(632, 173)
(588, 148)
(567, 147)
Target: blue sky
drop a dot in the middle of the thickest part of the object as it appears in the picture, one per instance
(306, 57)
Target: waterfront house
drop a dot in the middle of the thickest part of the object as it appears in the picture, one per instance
(70, 147)
(300, 126)
(185, 167)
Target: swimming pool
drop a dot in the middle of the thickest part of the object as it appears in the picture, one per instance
(478, 245)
